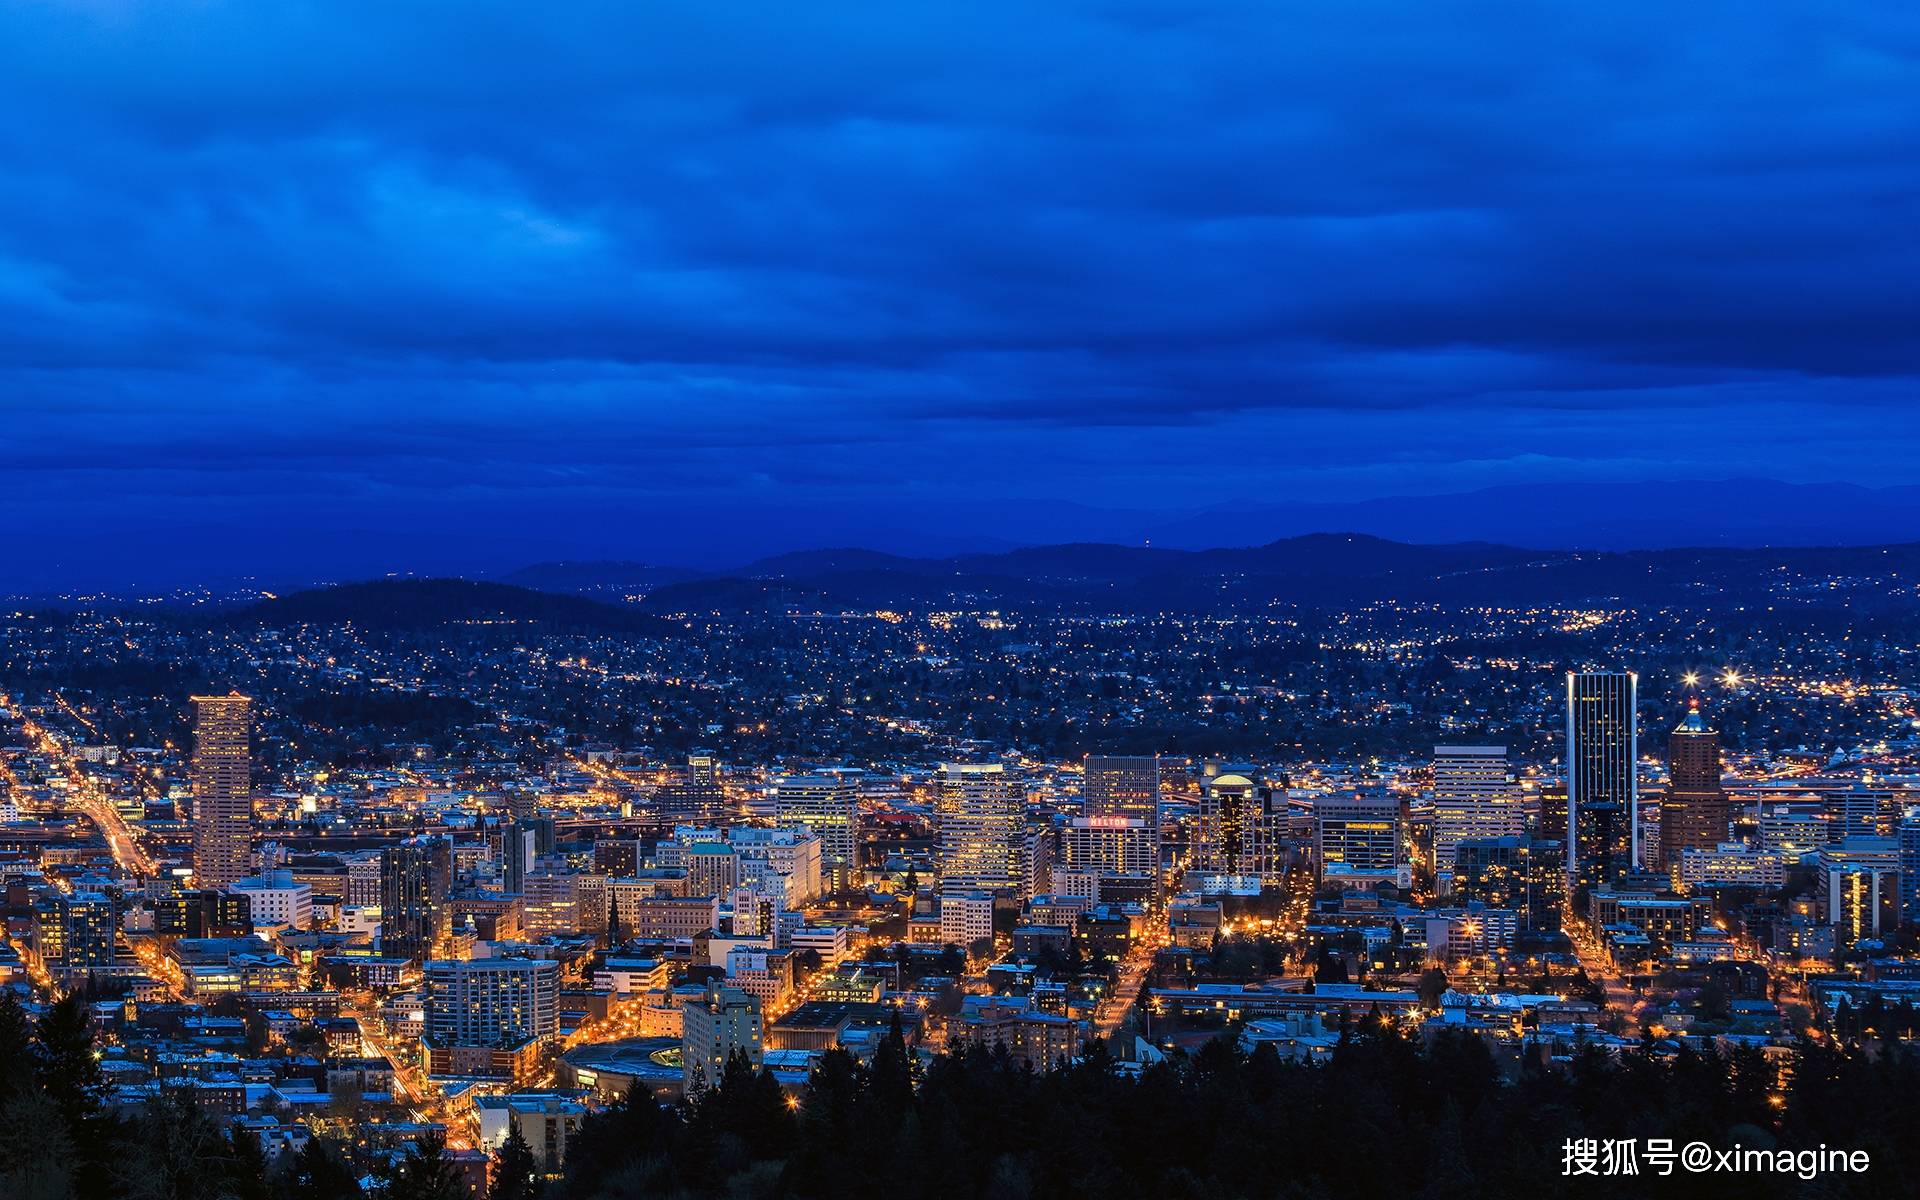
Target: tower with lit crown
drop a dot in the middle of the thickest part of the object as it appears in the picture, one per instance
(1696, 811)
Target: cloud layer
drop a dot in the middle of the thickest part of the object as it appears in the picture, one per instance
(494, 271)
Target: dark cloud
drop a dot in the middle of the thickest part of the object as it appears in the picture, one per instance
(336, 261)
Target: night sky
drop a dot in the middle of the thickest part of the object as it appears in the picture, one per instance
(345, 287)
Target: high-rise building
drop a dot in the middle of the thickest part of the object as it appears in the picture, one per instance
(522, 843)
(828, 806)
(548, 904)
(966, 917)
(1859, 811)
(1239, 828)
(794, 855)
(222, 777)
(74, 932)
(415, 876)
(1474, 797)
(492, 1001)
(1695, 814)
(1126, 786)
(1358, 838)
(1602, 782)
(696, 796)
(1520, 874)
(1907, 838)
(1859, 888)
(715, 1027)
(978, 811)
(1110, 846)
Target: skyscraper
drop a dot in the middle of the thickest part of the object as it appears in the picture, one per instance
(222, 773)
(1126, 786)
(1696, 812)
(1603, 796)
(827, 805)
(1237, 828)
(978, 810)
(415, 876)
(1474, 797)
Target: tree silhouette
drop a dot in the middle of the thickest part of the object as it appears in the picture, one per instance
(516, 1173)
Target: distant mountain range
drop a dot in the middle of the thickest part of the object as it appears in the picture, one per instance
(1317, 569)
(1588, 515)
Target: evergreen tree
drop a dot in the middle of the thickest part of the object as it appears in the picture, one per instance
(516, 1174)
(67, 1072)
(621, 1138)
(426, 1173)
(247, 1170)
(64, 1063)
(319, 1173)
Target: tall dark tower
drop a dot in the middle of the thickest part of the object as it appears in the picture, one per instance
(1696, 811)
(1603, 795)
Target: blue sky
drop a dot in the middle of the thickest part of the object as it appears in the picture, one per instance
(372, 286)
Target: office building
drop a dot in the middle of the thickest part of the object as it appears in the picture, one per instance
(491, 1001)
(1474, 797)
(1111, 845)
(1239, 829)
(524, 841)
(275, 899)
(1859, 888)
(697, 796)
(222, 779)
(979, 811)
(793, 854)
(1520, 874)
(1124, 786)
(75, 932)
(1603, 807)
(548, 905)
(965, 918)
(1729, 864)
(1037, 1040)
(1907, 839)
(415, 876)
(828, 806)
(1359, 840)
(723, 1022)
(1695, 814)
(1859, 811)
(713, 868)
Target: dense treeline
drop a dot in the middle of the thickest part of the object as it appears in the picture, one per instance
(1385, 1117)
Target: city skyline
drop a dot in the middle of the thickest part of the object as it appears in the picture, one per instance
(1189, 598)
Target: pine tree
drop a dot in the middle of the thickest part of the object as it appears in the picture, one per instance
(892, 1075)
(319, 1173)
(67, 1072)
(632, 1130)
(64, 1064)
(516, 1175)
(427, 1174)
(247, 1171)
(16, 1048)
